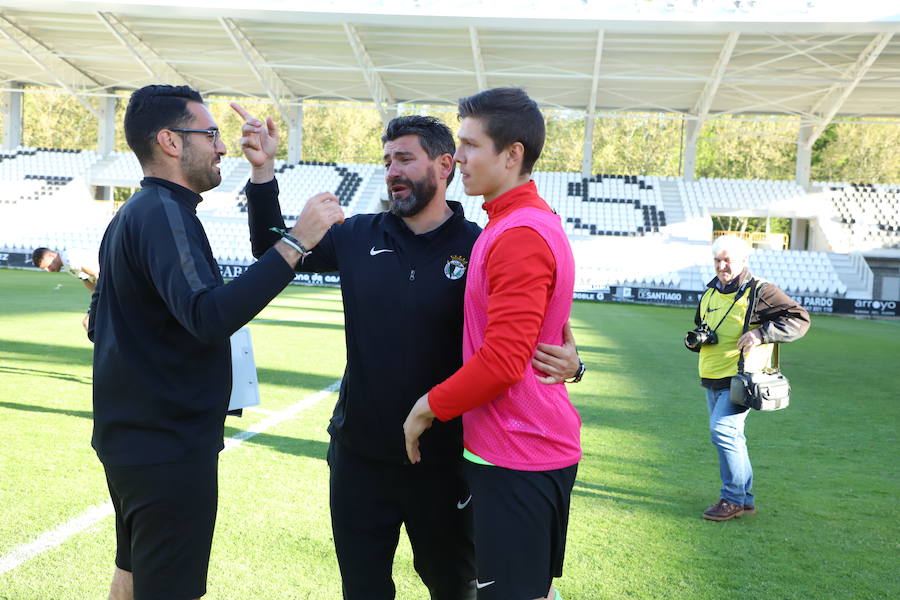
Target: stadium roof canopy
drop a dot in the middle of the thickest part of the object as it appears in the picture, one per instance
(590, 56)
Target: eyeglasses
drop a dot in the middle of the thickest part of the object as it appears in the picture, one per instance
(211, 132)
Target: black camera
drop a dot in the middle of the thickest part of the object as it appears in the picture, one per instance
(701, 336)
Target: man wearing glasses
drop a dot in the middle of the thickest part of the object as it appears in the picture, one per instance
(161, 318)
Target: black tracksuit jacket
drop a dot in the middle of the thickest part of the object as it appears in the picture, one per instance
(403, 318)
(161, 318)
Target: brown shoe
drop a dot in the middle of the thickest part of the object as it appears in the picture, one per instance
(723, 510)
(749, 509)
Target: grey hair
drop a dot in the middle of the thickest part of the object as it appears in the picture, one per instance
(736, 247)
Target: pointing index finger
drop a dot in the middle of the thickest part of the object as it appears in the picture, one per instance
(241, 111)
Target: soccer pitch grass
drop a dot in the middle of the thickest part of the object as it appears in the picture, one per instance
(826, 474)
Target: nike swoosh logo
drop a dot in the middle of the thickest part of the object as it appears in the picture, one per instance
(373, 251)
(462, 505)
(480, 585)
(712, 310)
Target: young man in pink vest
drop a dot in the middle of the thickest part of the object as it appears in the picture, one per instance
(521, 438)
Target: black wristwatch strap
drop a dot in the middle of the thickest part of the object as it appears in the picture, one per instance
(578, 374)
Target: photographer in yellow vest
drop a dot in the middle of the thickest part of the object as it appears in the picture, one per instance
(720, 339)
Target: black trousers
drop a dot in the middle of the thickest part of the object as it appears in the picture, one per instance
(369, 502)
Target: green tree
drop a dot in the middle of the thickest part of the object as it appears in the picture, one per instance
(861, 151)
(342, 132)
(563, 146)
(52, 120)
(744, 148)
(751, 224)
(820, 146)
(637, 144)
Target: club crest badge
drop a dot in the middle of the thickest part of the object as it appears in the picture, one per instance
(455, 267)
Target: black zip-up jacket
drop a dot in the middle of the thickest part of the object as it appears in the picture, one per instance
(403, 315)
(161, 318)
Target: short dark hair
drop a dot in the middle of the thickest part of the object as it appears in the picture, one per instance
(38, 255)
(434, 136)
(153, 108)
(508, 115)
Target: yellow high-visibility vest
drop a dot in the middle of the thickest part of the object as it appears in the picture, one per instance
(721, 360)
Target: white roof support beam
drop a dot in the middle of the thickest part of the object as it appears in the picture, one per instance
(831, 103)
(276, 88)
(64, 73)
(587, 154)
(701, 108)
(11, 109)
(385, 104)
(478, 59)
(149, 59)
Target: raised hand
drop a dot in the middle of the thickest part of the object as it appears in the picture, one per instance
(259, 141)
(318, 215)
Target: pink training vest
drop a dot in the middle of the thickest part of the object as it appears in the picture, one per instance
(532, 426)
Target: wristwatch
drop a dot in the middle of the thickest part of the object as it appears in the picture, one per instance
(579, 373)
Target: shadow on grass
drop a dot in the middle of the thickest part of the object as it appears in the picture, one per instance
(49, 352)
(304, 324)
(303, 307)
(632, 414)
(46, 374)
(309, 295)
(288, 445)
(294, 378)
(85, 414)
(623, 495)
(72, 355)
(584, 350)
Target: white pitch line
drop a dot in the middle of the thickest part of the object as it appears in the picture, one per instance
(281, 416)
(55, 537)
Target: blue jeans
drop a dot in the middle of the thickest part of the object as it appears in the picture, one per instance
(726, 431)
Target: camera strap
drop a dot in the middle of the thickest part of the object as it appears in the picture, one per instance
(751, 308)
(737, 297)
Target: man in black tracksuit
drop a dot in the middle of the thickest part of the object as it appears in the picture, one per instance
(160, 321)
(402, 281)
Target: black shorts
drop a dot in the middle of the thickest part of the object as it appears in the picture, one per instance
(521, 518)
(165, 516)
(369, 502)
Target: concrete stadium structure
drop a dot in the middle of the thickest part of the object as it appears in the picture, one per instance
(694, 67)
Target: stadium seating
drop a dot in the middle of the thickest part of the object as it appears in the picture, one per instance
(298, 182)
(625, 229)
(33, 174)
(45, 163)
(702, 196)
(799, 272)
(869, 214)
(602, 205)
(229, 239)
(123, 169)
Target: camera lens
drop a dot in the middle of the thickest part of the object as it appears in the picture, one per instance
(702, 336)
(692, 339)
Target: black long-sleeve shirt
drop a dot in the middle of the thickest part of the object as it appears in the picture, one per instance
(161, 318)
(403, 301)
